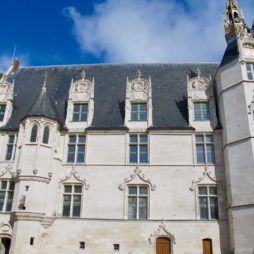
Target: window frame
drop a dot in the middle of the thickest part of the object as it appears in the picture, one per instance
(13, 146)
(6, 191)
(139, 111)
(80, 112)
(208, 196)
(48, 135)
(205, 115)
(205, 144)
(250, 71)
(31, 133)
(138, 196)
(138, 145)
(76, 145)
(72, 194)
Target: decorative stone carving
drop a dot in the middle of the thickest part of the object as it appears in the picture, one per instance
(137, 174)
(47, 222)
(206, 174)
(73, 177)
(8, 171)
(5, 230)
(162, 231)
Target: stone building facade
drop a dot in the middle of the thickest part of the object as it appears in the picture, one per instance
(132, 159)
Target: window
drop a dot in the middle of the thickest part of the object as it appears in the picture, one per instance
(205, 149)
(138, 149)
(138, 111)
(2, 111)
(45, 138)
(76, 148)
(250, 71)
(31, 240)
(72, 200)
(137, 202)
(201, 111)
(6, 195)
(116, 247)
(208, 202)
(82, 245)
(11, 145)
(80, 112)
(33, 136)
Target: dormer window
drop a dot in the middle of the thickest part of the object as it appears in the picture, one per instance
(2, 111)
(201, 111)
(80, 107)
(80, 112)
(138, 103)
(139, 111)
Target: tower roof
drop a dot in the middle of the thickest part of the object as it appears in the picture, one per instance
(44, 105)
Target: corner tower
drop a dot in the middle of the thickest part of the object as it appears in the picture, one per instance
(235, 91)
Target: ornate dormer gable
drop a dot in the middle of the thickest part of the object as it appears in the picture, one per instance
(6, 99)
(201, 103)
(138, 103)
(80, 103)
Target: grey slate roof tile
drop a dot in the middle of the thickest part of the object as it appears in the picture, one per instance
(169, 92)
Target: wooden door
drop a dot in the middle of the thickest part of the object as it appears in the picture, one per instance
(163, 246)
(207, 246)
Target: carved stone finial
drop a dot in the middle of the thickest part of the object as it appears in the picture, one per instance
(139, 74)
(83, 75)
(198, 72)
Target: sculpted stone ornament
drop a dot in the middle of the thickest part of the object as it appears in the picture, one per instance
(138, 174)
(162, 231)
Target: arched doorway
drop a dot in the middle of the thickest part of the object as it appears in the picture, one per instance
(163, 245)
(5, 245)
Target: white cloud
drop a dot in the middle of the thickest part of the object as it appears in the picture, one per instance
(6, 60)
(153, 30)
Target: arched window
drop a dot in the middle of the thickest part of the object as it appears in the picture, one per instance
(33, 136)
(207, 246)
(45, 139)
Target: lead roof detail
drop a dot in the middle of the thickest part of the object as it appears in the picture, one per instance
(169, 86)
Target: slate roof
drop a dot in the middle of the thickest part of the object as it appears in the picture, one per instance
(169, 92)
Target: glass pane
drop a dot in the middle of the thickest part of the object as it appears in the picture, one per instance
(203, 206)
(143, 139)
(2, 196)
(202, 190)
(9, 201)
(210, 153)
(11, 139)
(199, 139)
(67, 188)
(76, 108)
(71, 153)
(134, 107)
(9, 152)
(72, 139)
(134, 139)
(213, 190)
(133, 190)
(75, 116)
(134, 116)
(81, 153)
(78, 189)
(34, 134)
(81, 139)
(143, 107)
(45, 139)
(133, 154)
(248, 67)
(132, 208)
(143, 154)
(143, 116)
(76, 205)
(67, 205)
(3, 185)
(2, 111)
(11, 186)
(143, 190)
(214, 208)
(143, 208)
(200, 153)
(209, 138)
(250, 76)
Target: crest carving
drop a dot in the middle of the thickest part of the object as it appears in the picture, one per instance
(81, 89)
(8, 171)
(162, 231)
(138, 89)
(137, 174)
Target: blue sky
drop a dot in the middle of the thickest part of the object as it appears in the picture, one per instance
(116, 31)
